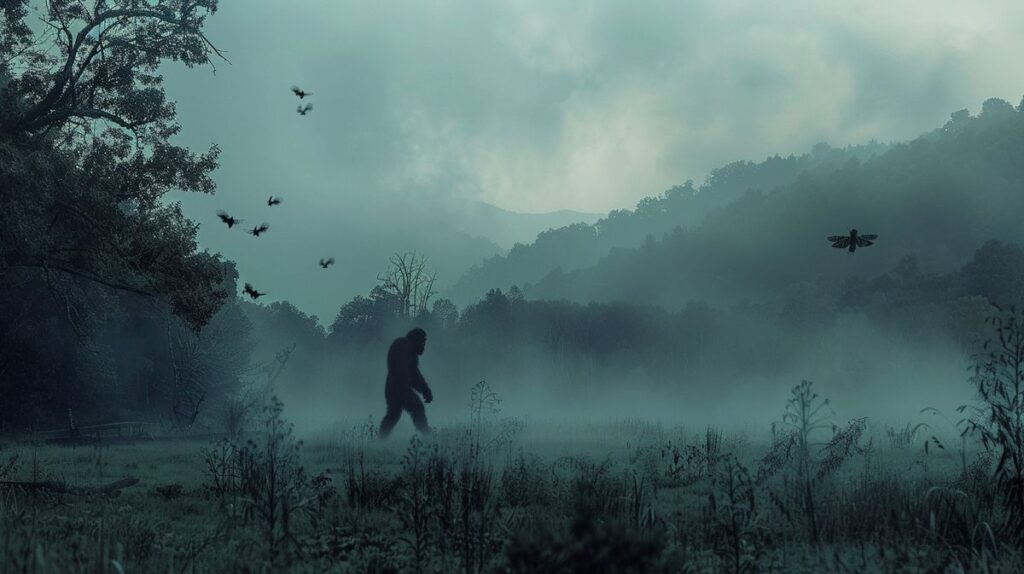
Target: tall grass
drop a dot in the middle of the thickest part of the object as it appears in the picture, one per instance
(666, 500)
(999, 419)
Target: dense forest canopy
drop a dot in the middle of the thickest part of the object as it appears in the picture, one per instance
(86, 130)
(88, 246)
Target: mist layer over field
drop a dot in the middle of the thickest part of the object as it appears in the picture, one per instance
(866, 373)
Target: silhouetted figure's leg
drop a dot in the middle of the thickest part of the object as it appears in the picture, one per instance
(391, 418)
(414, 405)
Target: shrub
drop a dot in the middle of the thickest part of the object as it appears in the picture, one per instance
(999, 420)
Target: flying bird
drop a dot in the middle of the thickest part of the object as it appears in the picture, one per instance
(255, 231)
(300, 93)
(325, 263)
(252, 292)
(303, 110)
(852, 241)
(272, 201)
(231, 221)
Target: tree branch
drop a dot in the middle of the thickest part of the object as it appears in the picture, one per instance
(64, 267)
(80, 112)
(64, 83)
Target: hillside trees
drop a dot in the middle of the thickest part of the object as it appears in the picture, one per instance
(683, 206)
(936, 198)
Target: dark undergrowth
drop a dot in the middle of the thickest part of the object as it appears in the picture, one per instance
(817, 496)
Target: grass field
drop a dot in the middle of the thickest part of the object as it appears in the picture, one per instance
(500, 495)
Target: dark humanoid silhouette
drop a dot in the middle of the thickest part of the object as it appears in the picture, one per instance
(403, 378)
(853, 241)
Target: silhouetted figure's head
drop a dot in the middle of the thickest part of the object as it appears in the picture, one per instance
(419, 339)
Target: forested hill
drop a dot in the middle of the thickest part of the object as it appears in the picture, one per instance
(581, 245)
(938, 197)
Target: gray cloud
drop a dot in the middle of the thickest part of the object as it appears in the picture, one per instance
(547, 105)
(537, 106)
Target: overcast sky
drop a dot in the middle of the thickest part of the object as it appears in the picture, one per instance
(546, 105)
(537, 106)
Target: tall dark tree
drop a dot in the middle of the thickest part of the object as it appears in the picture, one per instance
(85, 150)
(445, 313)
(365, 319)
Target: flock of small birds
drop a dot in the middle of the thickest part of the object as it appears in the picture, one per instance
(302, 109)
(851, 241)
(258, 230)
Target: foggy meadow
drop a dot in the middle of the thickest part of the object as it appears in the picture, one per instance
(807, 360)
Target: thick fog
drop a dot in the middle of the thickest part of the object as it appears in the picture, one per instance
(864, 370)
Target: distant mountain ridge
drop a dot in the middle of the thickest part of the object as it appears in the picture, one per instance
(506, 228)
(937, 198)
(583, 243)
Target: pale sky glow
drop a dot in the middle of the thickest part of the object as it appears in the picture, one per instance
(547, 105)
(537, 106)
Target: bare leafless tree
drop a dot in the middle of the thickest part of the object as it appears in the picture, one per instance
(187, 389)
(206, 368)
(409, 282)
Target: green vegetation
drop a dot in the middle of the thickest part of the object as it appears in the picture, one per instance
(501, 496)
(624, 496)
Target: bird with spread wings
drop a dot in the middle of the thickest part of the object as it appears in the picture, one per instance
(252, 292)
(852, 241)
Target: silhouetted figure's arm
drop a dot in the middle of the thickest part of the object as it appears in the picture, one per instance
(417, 381)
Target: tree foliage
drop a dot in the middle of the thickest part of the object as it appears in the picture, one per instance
(106, 289)
(85, 151)
(998, 419)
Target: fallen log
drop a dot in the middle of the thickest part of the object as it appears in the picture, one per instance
(63, 488)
